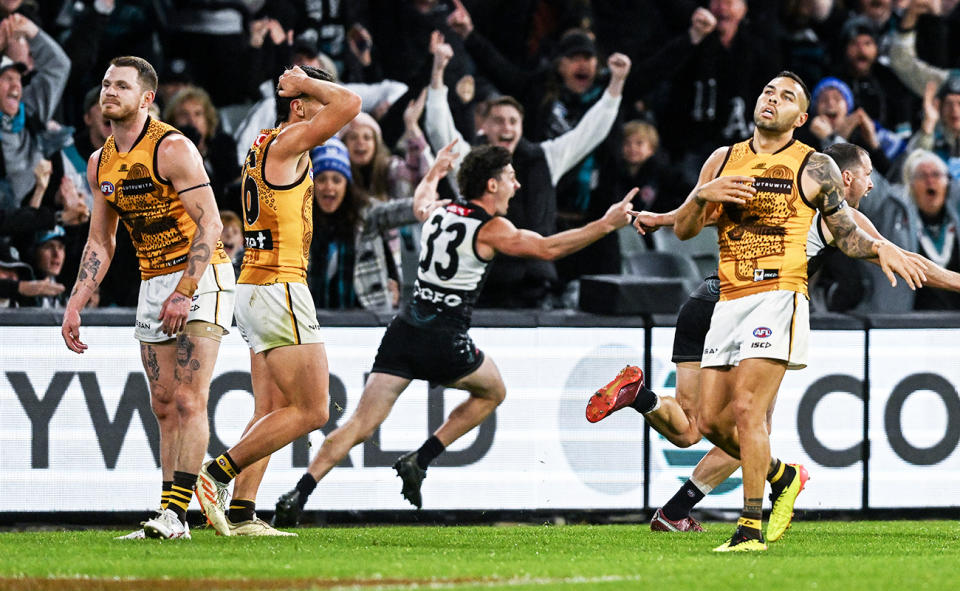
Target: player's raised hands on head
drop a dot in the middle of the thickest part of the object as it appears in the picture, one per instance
(291, 82)
(727, 189)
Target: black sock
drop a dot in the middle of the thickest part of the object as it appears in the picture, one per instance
(223, 468)
(430, 449)
(779, 480)
(646, 400)
(748, 528)
(680, 504)
(306, 486)
(180, 493)
(241, 510)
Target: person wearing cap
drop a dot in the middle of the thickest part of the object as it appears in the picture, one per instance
(275, 310)
(18, 288)
(874, 86)
(515, 282)
(48, 258)
(836, 118)
(25, 109)
(350, 261)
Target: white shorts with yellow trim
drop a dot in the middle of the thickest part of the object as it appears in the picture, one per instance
(771, 325)
(276, 315)
(212, 302)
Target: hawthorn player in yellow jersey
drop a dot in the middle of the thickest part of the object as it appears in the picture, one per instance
(764, 195)
(275, 311)
(152, 177)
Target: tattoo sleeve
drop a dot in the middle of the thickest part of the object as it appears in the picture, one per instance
(200, 251)
(853, 241)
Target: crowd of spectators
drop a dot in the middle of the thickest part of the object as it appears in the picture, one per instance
(592, 97)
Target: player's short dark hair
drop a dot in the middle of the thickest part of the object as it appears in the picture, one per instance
(283, 102)
(846, 155)
(146, 75)
(796, 78)
(504, 100)
(481, 164)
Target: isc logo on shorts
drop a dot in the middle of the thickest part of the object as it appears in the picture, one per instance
(762, 332)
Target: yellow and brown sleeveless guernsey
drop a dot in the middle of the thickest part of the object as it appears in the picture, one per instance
(159, 226)
(763, 244)
(277, 221)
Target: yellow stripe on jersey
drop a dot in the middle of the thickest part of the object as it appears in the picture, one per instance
(763, 243)
(278, 221)
(149, 206)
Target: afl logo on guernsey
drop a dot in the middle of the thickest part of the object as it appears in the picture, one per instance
(762, 332)
(107, 188)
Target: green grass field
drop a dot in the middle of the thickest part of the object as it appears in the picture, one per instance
(900, 555)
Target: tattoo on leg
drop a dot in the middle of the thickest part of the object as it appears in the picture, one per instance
(753, 505)
(150, 363)
(186, 362)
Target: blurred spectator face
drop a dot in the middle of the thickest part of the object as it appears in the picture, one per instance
(7, 274)
(860, 184)
(503, 126)
(877, 10)
(232, 237)
(361, 141)
(329, 189)
(780, 105)
(10, 91)
(423, 6)
(578, 72)
(10, 6)
(98, 125)
(929, 188)
(49, 258)
(729, 13)
(191, 112)
(861, 54)
(832, 105)
(950, 112)
(636, 149)
(120, 93)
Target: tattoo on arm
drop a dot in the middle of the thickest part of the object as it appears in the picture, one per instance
(89, 267)
(200, 252)
(853, 241)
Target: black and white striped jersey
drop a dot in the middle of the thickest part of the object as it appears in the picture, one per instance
(451, 271)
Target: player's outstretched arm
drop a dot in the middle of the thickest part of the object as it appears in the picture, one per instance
(339, 106)
(97, 254)
(821, 180)
(703, 203)
(180, 162)
(425, 195)
(935, 275)
(500, 235)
